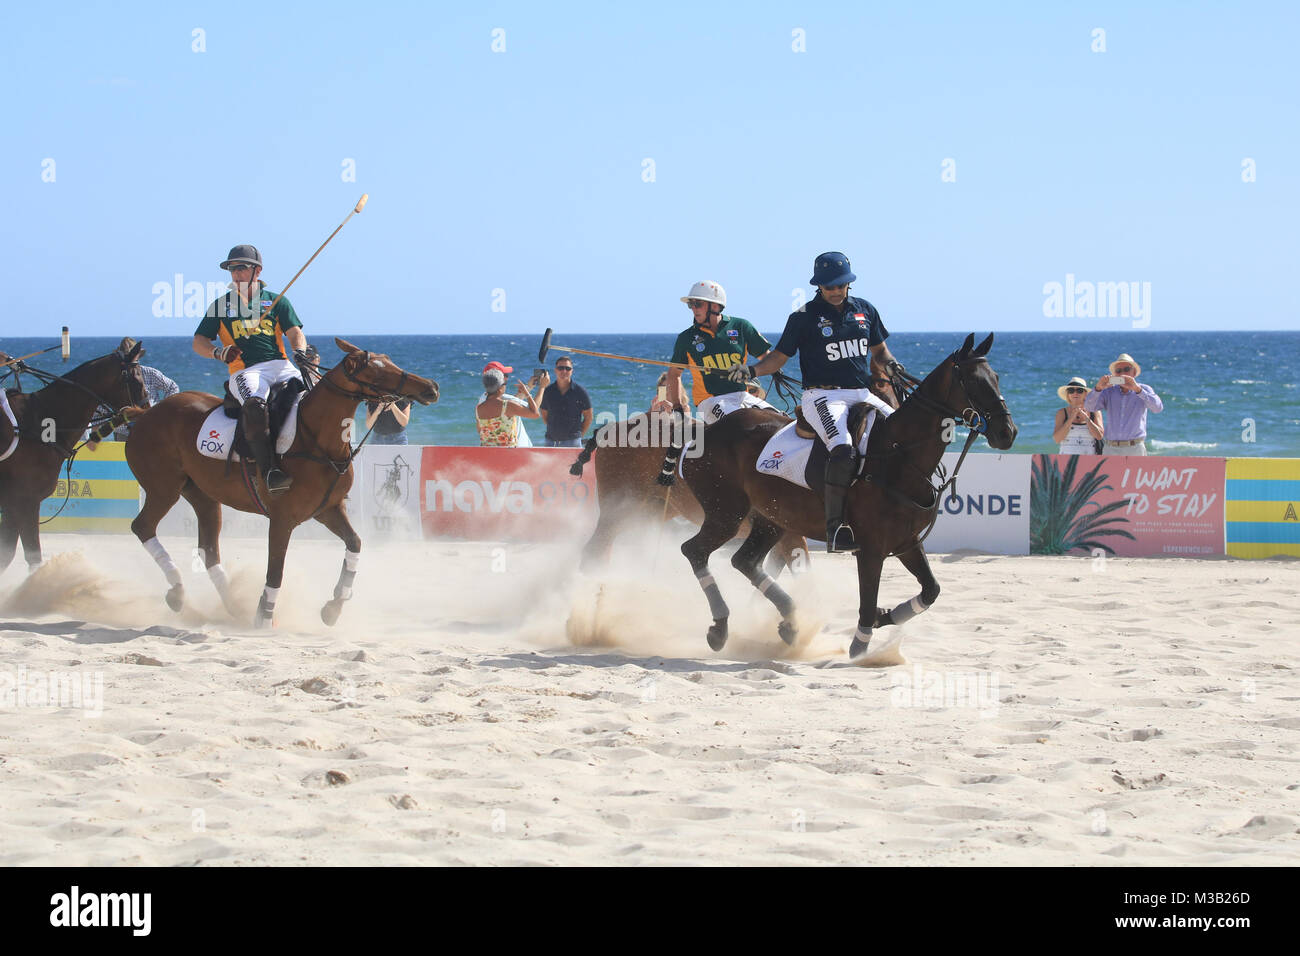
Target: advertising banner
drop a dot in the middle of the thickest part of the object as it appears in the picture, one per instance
(101, 494)
(505, 494)
(991, 509)
(1262, 507)
(1130, 506)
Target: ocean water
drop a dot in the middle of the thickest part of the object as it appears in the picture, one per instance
(1220, 389)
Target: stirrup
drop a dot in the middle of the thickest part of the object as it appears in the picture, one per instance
(277, 482)
(839, 540)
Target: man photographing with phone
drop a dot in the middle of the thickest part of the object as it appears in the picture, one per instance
(565, 406)
(1126, 404)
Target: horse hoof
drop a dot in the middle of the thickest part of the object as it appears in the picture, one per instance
(858, 650)
(176, 598)
(787, 631)
(330, 611)
(883, 618)
(718, 634)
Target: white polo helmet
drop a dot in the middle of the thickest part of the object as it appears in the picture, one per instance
(707, 291)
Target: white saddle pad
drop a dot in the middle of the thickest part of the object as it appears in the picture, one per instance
(786, 454)
(218, 432)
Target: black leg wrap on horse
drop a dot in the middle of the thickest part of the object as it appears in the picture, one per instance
(772, 591)
(584, 456)
(840, 467)
(717, 607)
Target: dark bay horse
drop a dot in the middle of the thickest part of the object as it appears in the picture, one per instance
(888, 509)
(50, 422)
(627, 493)
(162, 451)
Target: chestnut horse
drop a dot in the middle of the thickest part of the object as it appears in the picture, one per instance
(628, 493)
(50, 422)
(889, 509)
(162, 451)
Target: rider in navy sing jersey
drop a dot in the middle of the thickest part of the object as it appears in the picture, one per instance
(836, 336)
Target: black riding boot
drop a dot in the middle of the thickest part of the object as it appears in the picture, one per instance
(839, 475)
(668, 471)
(257, 429)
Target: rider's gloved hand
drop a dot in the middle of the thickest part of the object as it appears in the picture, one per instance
(895, 367)
(740, 374)
(227, 354)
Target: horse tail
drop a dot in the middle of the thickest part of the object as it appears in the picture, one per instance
(584, 456)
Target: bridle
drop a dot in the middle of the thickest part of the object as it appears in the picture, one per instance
(366, 391)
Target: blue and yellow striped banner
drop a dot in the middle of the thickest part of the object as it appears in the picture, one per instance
(102, 494)
(1262, 507)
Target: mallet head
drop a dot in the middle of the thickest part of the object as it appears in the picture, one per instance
(546, 345)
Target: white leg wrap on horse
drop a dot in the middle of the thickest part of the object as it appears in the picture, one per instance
(269, 596)
(863, 634)
(343, 590)
(163, 560)
(33, 559)
(217, 575)
(908, 610)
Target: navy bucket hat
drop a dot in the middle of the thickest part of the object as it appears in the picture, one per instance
(831, 269)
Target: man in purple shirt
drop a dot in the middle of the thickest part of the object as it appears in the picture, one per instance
(1126, 404)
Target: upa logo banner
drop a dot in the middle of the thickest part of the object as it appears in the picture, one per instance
(391, 506)
(990, 511)
(505, 494)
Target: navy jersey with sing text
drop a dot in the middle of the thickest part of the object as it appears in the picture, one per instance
(834, 348)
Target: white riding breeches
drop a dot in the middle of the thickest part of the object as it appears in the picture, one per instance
(827, 411)
(715, 407)
(255, 381)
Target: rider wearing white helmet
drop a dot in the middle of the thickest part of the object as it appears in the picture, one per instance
(712, 346)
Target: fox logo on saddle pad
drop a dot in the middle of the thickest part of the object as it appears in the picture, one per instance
(218, 432)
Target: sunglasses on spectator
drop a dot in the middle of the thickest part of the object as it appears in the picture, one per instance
(564, 368)
(1124, 369)
(1071, 391)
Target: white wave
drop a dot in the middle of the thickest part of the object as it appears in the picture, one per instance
(1157, 443)
(1248, 381)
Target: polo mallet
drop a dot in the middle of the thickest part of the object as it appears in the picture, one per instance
(361, 204)
(547, 346)
(64, 345)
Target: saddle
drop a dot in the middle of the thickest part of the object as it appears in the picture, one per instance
(279, 404)
(218, 440)
(802, 460)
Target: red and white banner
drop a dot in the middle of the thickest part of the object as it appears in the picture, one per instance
(505, 494)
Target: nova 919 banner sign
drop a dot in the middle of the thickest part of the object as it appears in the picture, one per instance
(505, 494)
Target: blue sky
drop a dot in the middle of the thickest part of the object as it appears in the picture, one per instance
(525, 170)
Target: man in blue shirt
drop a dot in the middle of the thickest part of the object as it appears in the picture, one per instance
(566, 408)
(836, 335)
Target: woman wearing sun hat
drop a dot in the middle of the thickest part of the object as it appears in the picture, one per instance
(1127, 403)
(497, 414)
(1077, 430)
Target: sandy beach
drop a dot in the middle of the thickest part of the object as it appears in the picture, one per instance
(488, 704)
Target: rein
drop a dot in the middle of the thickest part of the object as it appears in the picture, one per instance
(69, 454)
(366, 393)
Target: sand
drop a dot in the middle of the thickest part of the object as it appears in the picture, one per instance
(489, 704)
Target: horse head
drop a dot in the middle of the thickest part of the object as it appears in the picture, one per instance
(115, 379)
(380, 377)
(973, 391)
